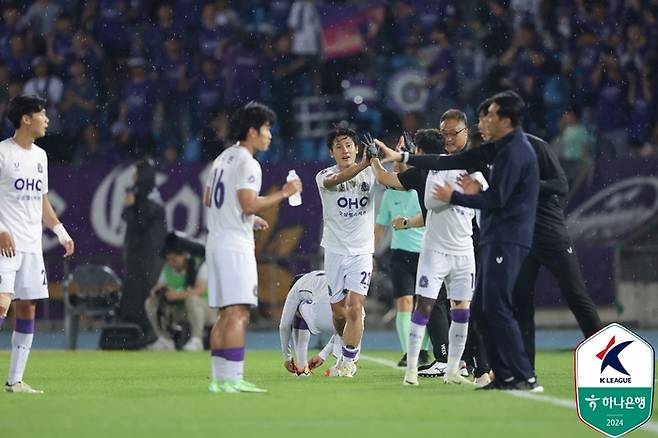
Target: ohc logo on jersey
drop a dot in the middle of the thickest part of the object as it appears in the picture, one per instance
(28, 184)
(614, 380)
(352, 202)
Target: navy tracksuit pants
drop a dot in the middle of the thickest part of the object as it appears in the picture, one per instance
(500, 267)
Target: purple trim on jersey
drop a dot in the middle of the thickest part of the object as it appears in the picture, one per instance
(460, 315)
(2, 319)
(350, 353)
(25, 326)
(419, 318)
(217, 353)
(234, 354)
(299, 323)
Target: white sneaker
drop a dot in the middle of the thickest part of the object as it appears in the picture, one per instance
(194, 344)
(410, 378)
(483, 380)
(347, 369)
(456, 378)
(22, 387)
(162, 344)
(435, 369)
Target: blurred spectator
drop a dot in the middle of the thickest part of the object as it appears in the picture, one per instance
(86, 50)
(574, 147)
(612, 120)
(110, 26)
(59, 45)
(174, 82)
(304, 23)
(137, 109)
(49, 87)
(80, 101)
(19, 60)
(155, 35)
(9, 26)
(210, 35)
(40, 17)
(247, 71)
(214, 138)
(442, 80)
(207, 94)
(171, 156)
(90, 149)
(650, 147)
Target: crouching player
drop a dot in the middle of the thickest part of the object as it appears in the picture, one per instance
(306, 312)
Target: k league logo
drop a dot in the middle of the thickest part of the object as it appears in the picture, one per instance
(614, 380)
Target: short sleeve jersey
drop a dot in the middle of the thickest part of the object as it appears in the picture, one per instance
(234, 169)
(23, 182)
(348, 213)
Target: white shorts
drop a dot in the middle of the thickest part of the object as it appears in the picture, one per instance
(347, 273)
(435, 268)
(232, 278)
(318, 317)
(24, 276)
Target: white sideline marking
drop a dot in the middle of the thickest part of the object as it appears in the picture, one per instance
(570, 404)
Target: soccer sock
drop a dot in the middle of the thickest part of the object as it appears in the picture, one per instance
(457, 338)
(234, 363)
(350, 353)
(218, 364)
(402, 322)
(21, 342)
(416, 333)
(301, 342)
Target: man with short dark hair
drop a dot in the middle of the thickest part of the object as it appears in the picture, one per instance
(232, 199)
(24, 210)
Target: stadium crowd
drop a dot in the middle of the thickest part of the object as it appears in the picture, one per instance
(131, 78)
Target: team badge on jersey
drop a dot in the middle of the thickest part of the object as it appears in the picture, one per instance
(365, 187)
(423, 281)
(39, 168)
(251, 178)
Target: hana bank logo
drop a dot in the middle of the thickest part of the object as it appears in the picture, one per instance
(609, 357)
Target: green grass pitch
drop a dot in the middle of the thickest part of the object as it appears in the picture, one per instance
(144, 394)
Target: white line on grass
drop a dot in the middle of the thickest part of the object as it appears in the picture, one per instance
(570, 404)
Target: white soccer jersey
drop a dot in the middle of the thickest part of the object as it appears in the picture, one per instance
(348, 213)
(23, 182)
(228, 226)
(448, 227)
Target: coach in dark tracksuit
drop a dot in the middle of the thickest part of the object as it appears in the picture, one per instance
(508, 212)
(551, 247)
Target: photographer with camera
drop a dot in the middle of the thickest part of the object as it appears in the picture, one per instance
(179, 295)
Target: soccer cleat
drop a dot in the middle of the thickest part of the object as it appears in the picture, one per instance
(483, 380)
(303, 372)
(222, 386)
(194, 344)
(403, 361)
(22, 388)
(244, 386)
(456, 378)
(423, 358)
(347, 369)
(435, 369)
(410, 378)
(162, 344)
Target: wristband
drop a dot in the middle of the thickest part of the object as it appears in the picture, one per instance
(61, 233)
(405, 157)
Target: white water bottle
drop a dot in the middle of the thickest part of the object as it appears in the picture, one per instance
(296, 199)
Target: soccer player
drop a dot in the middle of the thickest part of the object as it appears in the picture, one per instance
(232, 199)
(306, 312)
(346, 190)
(24, 209)
(405, 247)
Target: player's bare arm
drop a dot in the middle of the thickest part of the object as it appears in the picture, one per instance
(384, 177)
(251, 203)
(334, 179)
(52, 222)
(7, 244)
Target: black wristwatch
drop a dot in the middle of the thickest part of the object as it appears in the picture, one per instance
(405, 222)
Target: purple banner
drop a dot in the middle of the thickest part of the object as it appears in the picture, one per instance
(619, 204)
